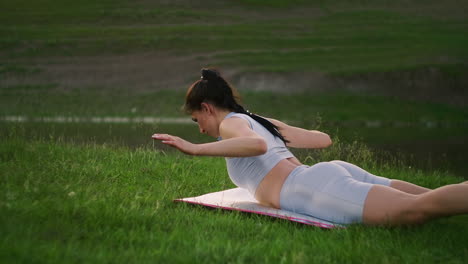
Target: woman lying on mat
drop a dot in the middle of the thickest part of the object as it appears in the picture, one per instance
(258, 159)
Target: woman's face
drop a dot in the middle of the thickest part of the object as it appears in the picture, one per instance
(206, 123)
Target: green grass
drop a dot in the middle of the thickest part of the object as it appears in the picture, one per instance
(337, 38)
(122, 212)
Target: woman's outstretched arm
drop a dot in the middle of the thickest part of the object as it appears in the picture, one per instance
(239, 140)
(302, 138)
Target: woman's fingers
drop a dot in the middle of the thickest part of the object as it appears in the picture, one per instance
(165, 138)
(175, 142)
(158, 136)
(161, 136)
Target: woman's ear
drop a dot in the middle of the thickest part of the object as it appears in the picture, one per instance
(207, 108)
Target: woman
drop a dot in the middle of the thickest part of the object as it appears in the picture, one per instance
(258, 159)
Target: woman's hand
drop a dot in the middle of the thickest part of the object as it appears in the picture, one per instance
(176, 142)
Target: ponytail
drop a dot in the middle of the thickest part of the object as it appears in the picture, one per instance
(214, 89)
(272, 128)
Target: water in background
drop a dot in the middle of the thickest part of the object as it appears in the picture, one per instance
(421, 147)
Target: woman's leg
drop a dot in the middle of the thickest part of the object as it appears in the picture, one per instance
(388, 206)
(364, 176)
(408, 187)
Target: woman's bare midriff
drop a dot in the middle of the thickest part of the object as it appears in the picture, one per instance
(269, 189)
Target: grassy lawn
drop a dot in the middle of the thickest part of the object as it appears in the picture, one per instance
(92, 203)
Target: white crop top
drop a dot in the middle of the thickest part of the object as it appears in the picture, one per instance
(248, 172)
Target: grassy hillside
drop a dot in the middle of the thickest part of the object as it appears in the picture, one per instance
(341, 37)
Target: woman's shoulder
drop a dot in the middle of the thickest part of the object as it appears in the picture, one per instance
(234, 114)
(235, 127)
(233, 120)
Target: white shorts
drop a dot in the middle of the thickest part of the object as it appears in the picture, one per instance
(333, 191)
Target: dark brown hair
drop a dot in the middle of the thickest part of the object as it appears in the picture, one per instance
(212, 88)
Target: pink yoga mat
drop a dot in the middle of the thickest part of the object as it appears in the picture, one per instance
(241, 200)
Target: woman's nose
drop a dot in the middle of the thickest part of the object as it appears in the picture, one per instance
(202, 130)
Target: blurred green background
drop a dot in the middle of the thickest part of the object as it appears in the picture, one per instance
(391, 74)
